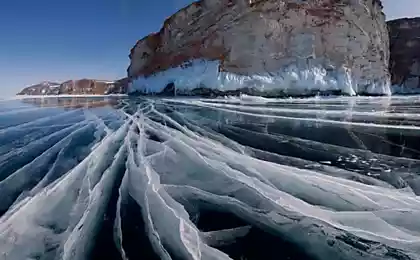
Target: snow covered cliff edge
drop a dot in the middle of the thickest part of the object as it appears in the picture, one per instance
(268, 47)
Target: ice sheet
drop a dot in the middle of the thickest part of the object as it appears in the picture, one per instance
(228, 178)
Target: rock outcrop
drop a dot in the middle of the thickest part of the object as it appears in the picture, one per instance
(405, 54)
(268, 46)
(78, 87)
(43, 88)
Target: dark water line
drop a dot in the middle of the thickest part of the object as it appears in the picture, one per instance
(104, 247)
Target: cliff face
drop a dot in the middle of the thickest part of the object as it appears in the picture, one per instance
(78, 87)
(87, 87)
(287, 44)
(405, 53)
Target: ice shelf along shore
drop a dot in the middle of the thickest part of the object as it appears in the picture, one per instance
(309, 78)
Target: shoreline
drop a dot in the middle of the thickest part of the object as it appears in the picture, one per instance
(66, 96)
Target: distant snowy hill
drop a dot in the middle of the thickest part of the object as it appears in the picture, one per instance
(78, 87)
(43, 88)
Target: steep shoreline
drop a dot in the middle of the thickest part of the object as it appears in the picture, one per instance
(78, 87)
(290, 47)
(267, 48)
(405, 55)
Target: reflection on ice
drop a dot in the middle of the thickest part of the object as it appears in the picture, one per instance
(233, 178)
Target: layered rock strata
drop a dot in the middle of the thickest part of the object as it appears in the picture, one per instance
(267, 46)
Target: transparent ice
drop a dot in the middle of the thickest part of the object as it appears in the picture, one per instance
(198, 178)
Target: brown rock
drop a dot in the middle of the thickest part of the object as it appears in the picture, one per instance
(405, 52)
(256, 36)
(79, 87)
(84, 87)
(120, 86)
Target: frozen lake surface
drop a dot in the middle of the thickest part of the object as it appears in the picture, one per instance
(229, 178)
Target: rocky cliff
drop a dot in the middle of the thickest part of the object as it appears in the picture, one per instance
(78, 87)
(405, 54)
(269, 46)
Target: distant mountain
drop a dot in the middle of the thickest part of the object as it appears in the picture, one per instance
(78, 87)
(43, 88)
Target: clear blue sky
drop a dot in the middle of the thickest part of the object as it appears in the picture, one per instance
(58, 40)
